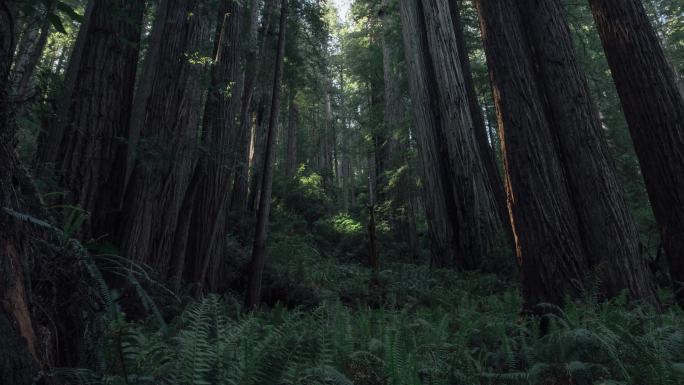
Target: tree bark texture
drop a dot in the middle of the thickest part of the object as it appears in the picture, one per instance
(220, 139)
(259, 248)
(480, 130)
(654, 109)
(51, 135)
(609, 233)
(49, 314)
(91, 161)
(545, 226)
(462, 211)
(166, 152)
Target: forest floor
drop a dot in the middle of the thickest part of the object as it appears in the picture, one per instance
(328, 319)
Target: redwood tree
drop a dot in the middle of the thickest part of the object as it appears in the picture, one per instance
(654, 109)
(256, 44)
(609, 233)
(253, 295)
(91, 161)
(479, 128)
(49, 314)
(18, 349)
(462, 214)
(168, 122)
(215, 167)
(545, 226)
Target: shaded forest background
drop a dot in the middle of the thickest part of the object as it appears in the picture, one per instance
(391, 192)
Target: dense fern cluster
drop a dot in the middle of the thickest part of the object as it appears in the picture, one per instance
(424, 327)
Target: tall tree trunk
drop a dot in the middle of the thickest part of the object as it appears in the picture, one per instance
(165, 161)
(51, 135)
(219, 141)
(91, 159)
(256, 47)
(401, 211)
(654, 109)
(43, 287)
(258, 263)
(260, 139)
(28, 55)
(292, 130)
(608, 231)
(462, 210)
(548, 244)
(18, 351)
(373, 252)
(480, 130)
(327, 139)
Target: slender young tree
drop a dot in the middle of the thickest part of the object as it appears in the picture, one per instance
(91, 161)
(462, 214)
(654, 109)
(168, 122)
(402, 214)
(292, 130)
(258, 263)
(256, 46)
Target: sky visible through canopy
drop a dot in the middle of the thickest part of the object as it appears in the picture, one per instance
(342, 8)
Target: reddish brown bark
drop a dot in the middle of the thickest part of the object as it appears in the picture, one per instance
(545, 225)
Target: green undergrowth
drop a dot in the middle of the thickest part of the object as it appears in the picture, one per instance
(412, 325)
(327, 320)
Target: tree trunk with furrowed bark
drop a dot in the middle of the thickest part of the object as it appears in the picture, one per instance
(49, 310)
(654, 109)
(544, 223)
(462, 213)
(91, 160)
(480, 130)
(609, 233)
(220, 139)
(253, 295)
(166, 150)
